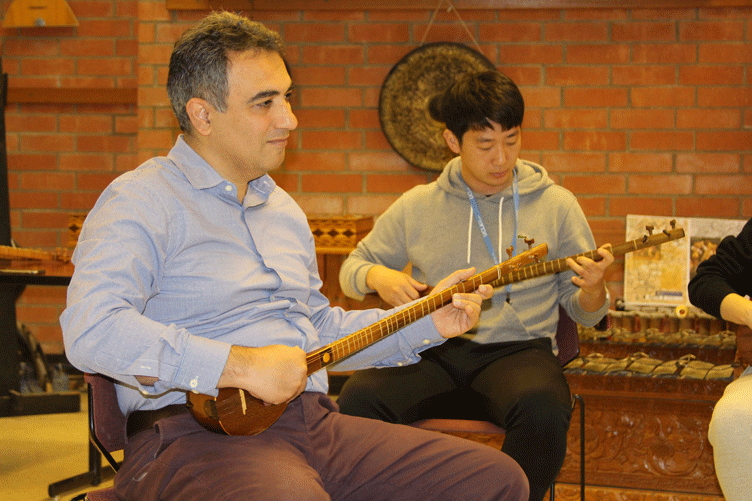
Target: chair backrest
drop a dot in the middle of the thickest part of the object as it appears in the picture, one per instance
(567, 338)
(106, 421)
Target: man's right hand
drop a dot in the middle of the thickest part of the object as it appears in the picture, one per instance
(274, 374)
(394, 287)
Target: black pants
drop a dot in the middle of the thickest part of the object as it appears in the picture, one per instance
(519, 386)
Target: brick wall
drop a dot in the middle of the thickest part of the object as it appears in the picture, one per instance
(635, 111)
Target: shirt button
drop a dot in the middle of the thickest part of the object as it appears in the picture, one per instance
(426, 341)
(228, 188)
(194, 383)
(399, 364)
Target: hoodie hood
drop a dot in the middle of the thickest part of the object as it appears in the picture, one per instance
(531, 177)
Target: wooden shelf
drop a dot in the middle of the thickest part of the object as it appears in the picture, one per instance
(250, 5)
(41, 95)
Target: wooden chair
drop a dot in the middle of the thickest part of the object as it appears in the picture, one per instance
(568, 342)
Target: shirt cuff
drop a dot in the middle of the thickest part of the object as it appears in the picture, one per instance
(203, 363)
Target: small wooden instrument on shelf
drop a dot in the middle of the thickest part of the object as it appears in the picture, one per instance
(236, 412)
(9, 252)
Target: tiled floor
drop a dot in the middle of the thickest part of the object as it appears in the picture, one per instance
(38, 450)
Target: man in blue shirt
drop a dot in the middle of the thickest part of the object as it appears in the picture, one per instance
(195, 272)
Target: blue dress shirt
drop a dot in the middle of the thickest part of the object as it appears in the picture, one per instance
(171, 270)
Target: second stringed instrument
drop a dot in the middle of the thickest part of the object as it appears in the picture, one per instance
(550, 267)
(236, 412)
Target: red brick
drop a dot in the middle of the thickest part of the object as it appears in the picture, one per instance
(725, 53)
(377, 161)
(369, 205)
(710, 163)
(573, 162)
(598, 54)
(644, 75)
(717, 118)
(317, 204)
(577, 75)
(594, 140)
(29, 161)
(331, 140)
(708, 207)
(724, 140)
(722, 96)
(660, 184)
(338, 97)
(314, 33)
(96, 182)
(642, 119)
(622, 206)
(78, 201)
(333, 55)
(670, 96)
(723, 185)
(598, 184)
(86, 123)
(593, 206)
(315, 161)
(664, 53)
(33, 200)
(541, 140)
(44, 220)
(288, 182)
(586, 97)
(105, 143)
(318, 75)
(332, 183)
(378, 33)
(385, 183)
(47, 142)
(86, 162)
(569, 118)
(510, 32)
(369, 75)
(640, 162)
(575, 32)
(48, 181)
(643, 31)
(316, 118)
(661, 141)
(30, 123)
(544, 97)
(530, 54)
(725, 30)
(711, 75)
(56, 66)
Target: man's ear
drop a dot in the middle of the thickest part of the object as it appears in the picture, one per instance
(200, 115)
(452, 141)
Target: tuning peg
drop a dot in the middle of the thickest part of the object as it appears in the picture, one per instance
(529, 242)
(650, 229)
(673, 224)
(510, 251)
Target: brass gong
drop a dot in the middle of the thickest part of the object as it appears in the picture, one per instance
(403, 101)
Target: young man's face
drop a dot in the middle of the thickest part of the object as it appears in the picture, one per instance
(488, 157)
(248, 139)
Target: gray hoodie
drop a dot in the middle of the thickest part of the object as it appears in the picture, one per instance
(432, 227)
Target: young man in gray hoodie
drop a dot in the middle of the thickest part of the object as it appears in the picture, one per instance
(485, 201)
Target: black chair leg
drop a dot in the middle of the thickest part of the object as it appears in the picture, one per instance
(578, 398)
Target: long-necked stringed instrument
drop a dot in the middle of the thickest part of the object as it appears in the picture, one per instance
(236, 412)
(550, 267)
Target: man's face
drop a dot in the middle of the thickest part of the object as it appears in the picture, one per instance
(488, 157)
(248, 139)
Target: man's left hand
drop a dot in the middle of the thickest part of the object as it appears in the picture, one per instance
(464, 311)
